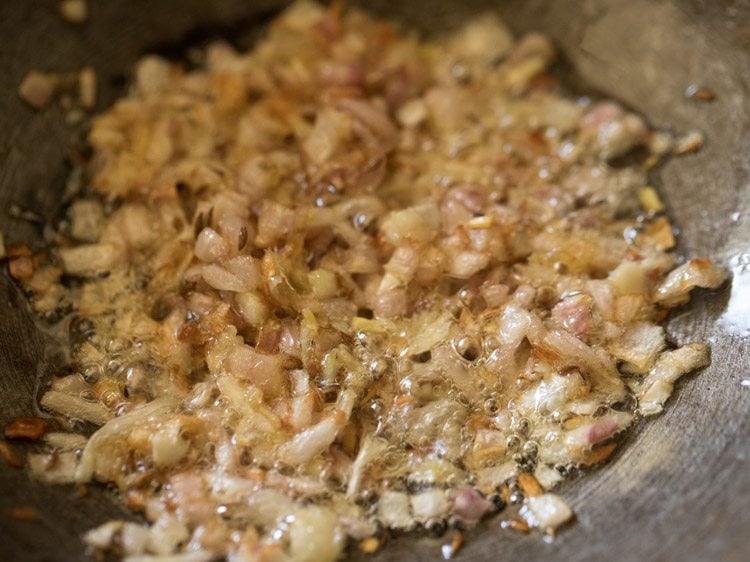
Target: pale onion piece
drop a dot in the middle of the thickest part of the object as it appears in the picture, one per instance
(57, 468)
(400, 268)
(168, 446)
(253, 308)
(576, 314)
(133, 538)
(221, 347)
(417, 224)
(300, 382)
(87, 87)
(118, 428)
(259, 174)
(521, 72)
(465, 264)
(243, 398)
(371, 450)
(434, 471)
(275, 221)
(192, 556)
(391, 303)
(581, 439)
(74, 11)
(210, 246)
(89, 260)
(133, 223)
(639, 345)
(358, 528)
(37, 89)
(101, 536)
(228, 488)
(301, 15)
(313, 441)
(598, 368)
(331, 128)
(429, 329)
(494, 295)
(65, 441)
(412, 113)
(86, 220)
(515, 324)
(222, 280)
(586, 406)
(304, 488)
(301, 414)
(456, 372)
(75, 407)
(553, 392)
(71, 384)
(323, 283)
(262, 370)
(267, 507)
(489, 479)
(547, 476)
(659, 383)
(619, 136)
(547, 511)
(675, 289)
(394, 511)
(430, 506)
(603, 294)
(315, 535)
(372, 325)
(629, 277)
(480, 223)
(372, 116)
(260, 424)
(166, 534)
(484, 37)
(152, 75)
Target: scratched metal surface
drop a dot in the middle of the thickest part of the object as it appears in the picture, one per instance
(680, 489)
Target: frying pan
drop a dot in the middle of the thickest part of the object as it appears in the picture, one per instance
(680, 488)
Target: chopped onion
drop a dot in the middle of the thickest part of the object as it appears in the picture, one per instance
(547, 511)
(315, 535)
(75, 407)
(675, 289)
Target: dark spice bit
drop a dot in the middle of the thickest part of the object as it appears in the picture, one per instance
(10, 457)
(699, 93)
(26, 427)
(23, 514)
(449, 550)
(516, 524)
